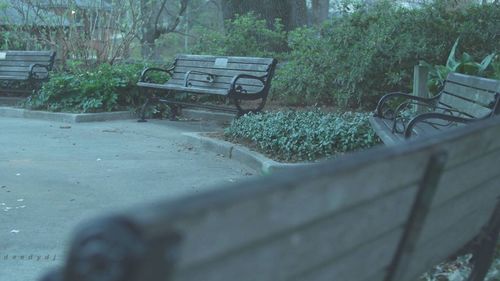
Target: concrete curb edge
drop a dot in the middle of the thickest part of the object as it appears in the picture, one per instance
(241, 154)
(65, 117)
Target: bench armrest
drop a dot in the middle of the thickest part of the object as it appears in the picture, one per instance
(143, 77)
(233, 86)
(434, 115)
(382, 102)
(210, 76)
(32, 68)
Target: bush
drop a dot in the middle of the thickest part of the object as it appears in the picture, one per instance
(297, 136)
(105, 88)
(355, 58)
(465, 64)
(246, 35)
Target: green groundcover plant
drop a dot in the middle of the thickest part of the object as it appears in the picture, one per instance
(104, 88)
(298, 136)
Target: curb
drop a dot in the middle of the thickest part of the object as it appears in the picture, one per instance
(65, 117)
(220, 117)
(241, 154)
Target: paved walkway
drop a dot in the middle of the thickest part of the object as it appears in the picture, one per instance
(53, 176)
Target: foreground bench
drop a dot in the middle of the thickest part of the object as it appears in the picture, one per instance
(236, 78)
(32, 67)
(385, 214)
(464, 99)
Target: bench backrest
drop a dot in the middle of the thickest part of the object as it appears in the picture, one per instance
(474, 96)
(225, 68)
(337, 220)
(17, 63)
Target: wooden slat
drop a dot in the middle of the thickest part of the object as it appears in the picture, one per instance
(16, 63)
(255, 60)
(30, 53)
(470, 146)
(366, 261)
(174, 87)
(384, 131)
(231, 66)
(219, 72)
(282, 206)
(483, 97)
(33, 59)
(462, 105)
(9, 77)
(445, 244)
(214, 85)
(309, 246)
(454, 211)
(474, 81)
(221, 79)
(467, 176)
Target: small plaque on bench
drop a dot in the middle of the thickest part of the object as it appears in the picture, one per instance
(220, 62)
(3, 55)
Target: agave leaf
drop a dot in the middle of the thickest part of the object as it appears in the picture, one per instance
(466, 58)
(451, 62)
(486, 62)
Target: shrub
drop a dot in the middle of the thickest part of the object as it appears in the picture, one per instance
(355, 58)
(297, 136)
(105, 88)
(246, 35)
(465, 64)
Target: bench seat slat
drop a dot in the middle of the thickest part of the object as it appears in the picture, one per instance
(214, 85)
(173, 87)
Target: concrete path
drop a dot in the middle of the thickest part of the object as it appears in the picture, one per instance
(54, 175)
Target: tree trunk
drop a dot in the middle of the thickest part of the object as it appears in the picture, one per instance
(320, 11)
(298, 13)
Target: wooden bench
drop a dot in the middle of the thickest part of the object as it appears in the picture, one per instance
(31, 67)
(389, 214)
(236, 78)
(464, 99)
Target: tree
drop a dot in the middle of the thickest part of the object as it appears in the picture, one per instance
(292, 13)
(320, 10)
(153, 24)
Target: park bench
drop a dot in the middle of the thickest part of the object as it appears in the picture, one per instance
(463, 99)
(389, 213)
(236, 78)
(29, 67)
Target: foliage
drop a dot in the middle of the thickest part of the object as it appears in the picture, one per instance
(465, 64)
(356, 57)
(297, 136)
(246, 35)
(460, 269)
(105, 88)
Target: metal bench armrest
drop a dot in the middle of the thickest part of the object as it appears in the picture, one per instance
(434, 115)
(143, 77)
(33, 75)
(387, 97)
(233, 86)
(210, 76)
